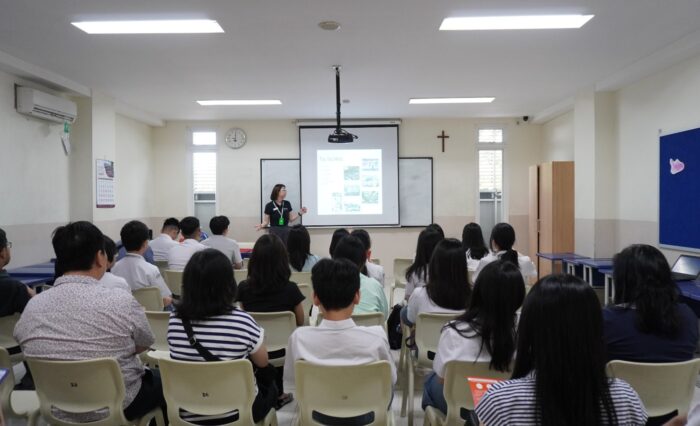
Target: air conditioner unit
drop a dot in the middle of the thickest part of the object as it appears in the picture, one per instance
(45, 106)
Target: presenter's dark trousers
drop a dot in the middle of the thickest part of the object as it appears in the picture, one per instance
(280, 231)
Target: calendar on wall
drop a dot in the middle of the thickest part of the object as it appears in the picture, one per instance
(104, 175)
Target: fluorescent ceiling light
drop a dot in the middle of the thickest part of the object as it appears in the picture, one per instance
(239, 102)
(415, 101)
(514, 22)
(181, 26)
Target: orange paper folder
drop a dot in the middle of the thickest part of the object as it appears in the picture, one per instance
(479, 386)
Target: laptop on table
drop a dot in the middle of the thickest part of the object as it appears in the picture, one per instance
(686, 268)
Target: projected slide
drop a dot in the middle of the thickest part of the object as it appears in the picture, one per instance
(349, 181)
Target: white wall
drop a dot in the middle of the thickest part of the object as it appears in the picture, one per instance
(558, 138)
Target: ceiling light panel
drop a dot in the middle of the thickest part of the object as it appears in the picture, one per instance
(531, 22)
(240, 102)
(419, 101)
(180, 26)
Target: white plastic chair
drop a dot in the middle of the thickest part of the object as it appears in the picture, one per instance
(211, 388)
(240, 275)
(83, 387)
(300, 277)
(328, 393)
(427, 335)
(308, 303)
(662, 387)
(7, 339)
(174, 280)
(162, 266)
(365, 319)
(149, 298)
(158, 320)
(16, 404)
(400, 267)
(376, 261)
(278, 327)
(458, 393)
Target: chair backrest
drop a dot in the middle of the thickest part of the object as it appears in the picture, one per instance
(308, 302)
(79, 387)
(158, 320)
(7, 327)
(300, 277)
(278, 327)
(240, 275)
(663, 387)
(162, 266)
(208, 388)
(328, 392)
(457, 391)
(7, 385)
(174, 280)
(365, 319)
(149, 298)
(376, 261)
(400, 267)
(428, 328)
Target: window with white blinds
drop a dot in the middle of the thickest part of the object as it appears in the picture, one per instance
(490, 135)
(204, 172)
(491, 170)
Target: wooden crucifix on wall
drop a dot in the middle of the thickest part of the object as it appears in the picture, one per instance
(443, 136)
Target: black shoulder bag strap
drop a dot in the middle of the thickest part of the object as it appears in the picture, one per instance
(208, 356)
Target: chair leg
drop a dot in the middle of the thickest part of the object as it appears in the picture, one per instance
(33, 418)
(411, 388)
(404, 394)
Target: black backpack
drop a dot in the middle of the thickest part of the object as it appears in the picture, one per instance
(393, 325)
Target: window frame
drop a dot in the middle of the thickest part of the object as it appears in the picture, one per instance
(492, 146)
(191, 149)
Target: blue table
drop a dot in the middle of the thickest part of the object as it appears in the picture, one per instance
(609, 283)
(591, 269)
(564, 258)
(34, 275)
(34, 280)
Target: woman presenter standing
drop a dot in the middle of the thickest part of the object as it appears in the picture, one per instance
(278, 213)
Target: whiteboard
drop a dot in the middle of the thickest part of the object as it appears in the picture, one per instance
(415, 187)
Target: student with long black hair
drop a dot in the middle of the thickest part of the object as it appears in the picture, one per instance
(647, 322)
(299, 249)
(559, 376)
(484, 333)
(473, 244)
(447, 290)
(417, 273)
(338, 235)
(502, 241)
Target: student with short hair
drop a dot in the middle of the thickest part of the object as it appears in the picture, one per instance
(13, 294)
(80, 319)
(162, 244)
(299, 249)
(219, 226)
(134, 268)
(559, 375)
(648, 323)
(486, 332)
(372, 297)
(371, 270)
(179, 255)
(338, 235)
(474, 245)
(447, 290)
(206, 314)
(502, 240)
(417, 273)
(337, 340)
(109, 279)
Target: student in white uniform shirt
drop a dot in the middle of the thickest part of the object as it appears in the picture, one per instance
(502, 240)
(220, 241)
(337, 340)
(162, 244)
(474, 245)
(179, 255)
(109, 279)
(373, 270)
(485, 333)
(417, 273)
(134, 268)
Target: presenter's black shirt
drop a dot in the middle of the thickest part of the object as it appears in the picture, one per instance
(13, 295)
(276, 211)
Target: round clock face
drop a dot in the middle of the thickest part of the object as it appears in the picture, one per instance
(235, 138)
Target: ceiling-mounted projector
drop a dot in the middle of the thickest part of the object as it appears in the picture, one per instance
(339, 135)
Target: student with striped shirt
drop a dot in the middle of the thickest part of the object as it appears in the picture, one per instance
(222, 331)
(559, 375)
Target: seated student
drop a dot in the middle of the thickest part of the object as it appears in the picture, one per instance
(134, 268)
(502, 240)
(417, 273)
(13, 294)
(80, 319)
(473, 244)
(337, 340)
(179, 255)
(485, 332)
(559, 376)
(206, 312)
(338, 235)
(436, 227)
(371, 270)
(447, 290)
(168, 238)
(109, 279)
(647, 323)
(372, 297)
(220, 241)
(299, 249)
